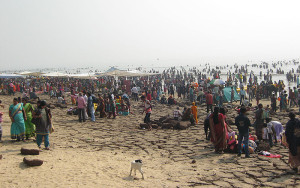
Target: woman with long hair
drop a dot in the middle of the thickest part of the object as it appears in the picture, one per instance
(218, 128)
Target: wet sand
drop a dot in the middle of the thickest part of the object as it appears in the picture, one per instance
(99, 155)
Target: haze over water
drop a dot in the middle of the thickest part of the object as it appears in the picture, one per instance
(98, 33)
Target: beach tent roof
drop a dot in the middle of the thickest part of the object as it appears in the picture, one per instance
(10, 76)
(27, 73)
(24, 73)
(83, 76)
(112, 69)
(120, 73)
(55, 74)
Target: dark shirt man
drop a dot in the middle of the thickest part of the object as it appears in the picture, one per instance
(243, 123)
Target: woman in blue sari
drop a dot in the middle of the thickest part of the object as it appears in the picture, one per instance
(16, 112)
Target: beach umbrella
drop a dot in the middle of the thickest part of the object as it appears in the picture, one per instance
(212, 82)
(218, 82)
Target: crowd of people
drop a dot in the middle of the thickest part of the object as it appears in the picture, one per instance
(108, 97)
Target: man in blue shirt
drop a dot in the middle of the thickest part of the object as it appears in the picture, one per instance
(243, 123)
(242, 95)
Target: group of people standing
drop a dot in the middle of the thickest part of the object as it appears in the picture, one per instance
(28, 122)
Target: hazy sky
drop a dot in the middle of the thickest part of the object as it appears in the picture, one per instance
(102, 33)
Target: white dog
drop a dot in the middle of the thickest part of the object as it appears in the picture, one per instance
(137, 165)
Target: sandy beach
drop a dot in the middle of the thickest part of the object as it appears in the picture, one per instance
(99, 155)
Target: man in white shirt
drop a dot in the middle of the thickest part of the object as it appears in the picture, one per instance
(177, 114)
(135, 92)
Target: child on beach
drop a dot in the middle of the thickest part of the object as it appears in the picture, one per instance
(42, 116)
(268, 133)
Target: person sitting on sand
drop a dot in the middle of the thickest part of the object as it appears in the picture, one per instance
(177, 114)
(171, 100)
(163, 100)
(61, 100)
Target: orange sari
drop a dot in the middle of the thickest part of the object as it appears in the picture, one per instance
(194, 112)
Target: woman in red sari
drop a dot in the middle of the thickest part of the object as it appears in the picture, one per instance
(218, 128)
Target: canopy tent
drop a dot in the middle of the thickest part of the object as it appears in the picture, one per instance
(24, 73)
(55, 74)
(83, 76)
(10, 76)
(121, 73)
(27, 73)
(111, 69)
(227, 94)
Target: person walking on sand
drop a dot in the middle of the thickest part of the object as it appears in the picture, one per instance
(177, 114)
(243, 123)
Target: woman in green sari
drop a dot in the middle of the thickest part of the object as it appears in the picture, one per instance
(16, 112)
(29, 126)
